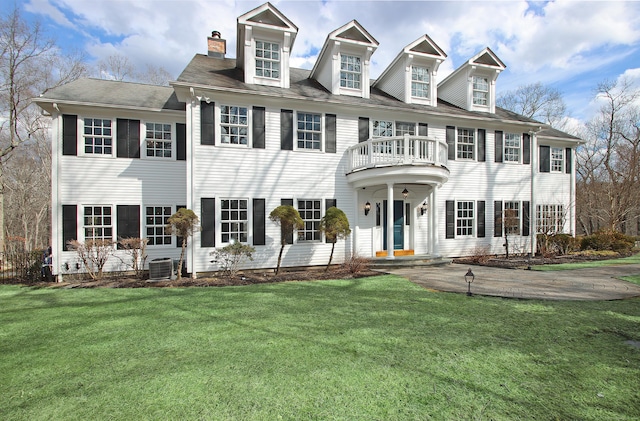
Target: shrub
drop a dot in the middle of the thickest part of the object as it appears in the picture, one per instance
(608, 240)
(481, 254)
(229, 257)
(93, 254)
(356, 264)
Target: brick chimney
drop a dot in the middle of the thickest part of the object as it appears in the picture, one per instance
(217, 47)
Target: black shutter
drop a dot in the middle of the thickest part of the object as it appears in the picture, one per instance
(482, 145)
(259, 238)
(568, 160)
(286, 130)
(480, 232)
(450, 219)
(69, 134)
(289, 237)
(378, 222)
(499, 147)
(207, 123)
(497, 218)
(258, 124)
(128, 220)
(128, 138)
(363, 129)
(526, 148)
(423, 129)
(451, 143)
(178, 238)
(526, 218)
(69, 225)
(330, 133)
(181, 141)
(208, 222)
(407, 214)
(545, 159)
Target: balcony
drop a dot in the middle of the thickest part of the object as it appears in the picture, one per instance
(407, 158)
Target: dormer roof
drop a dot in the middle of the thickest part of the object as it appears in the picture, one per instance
(472, 86)
(266, 17)
(351, 39)
(396, 78)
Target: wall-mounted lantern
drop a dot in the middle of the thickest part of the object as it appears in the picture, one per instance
(405, 193)
(367, 208)
(423, 208)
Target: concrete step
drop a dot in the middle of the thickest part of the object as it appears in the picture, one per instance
(408, 261)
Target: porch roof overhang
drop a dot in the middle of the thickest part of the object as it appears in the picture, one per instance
(428, 174)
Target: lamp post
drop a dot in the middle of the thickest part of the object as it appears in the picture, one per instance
(469, 277)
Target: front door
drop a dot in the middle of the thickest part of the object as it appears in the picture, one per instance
(398, 225)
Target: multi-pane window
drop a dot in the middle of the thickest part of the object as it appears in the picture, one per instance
(403, 128)
(234, 125)
(98, 223)
(511, 218)
(234, 220)
(268, 59)
(382, 128)
(98, 136)
(310, 213)
(157, 219)
(464, 218)
(350, 71)
(158, 140)
(557, 159)
(511, 147)
(549, 219)
(419, 82)
(480, 90)
(466, 140)
(309, 131)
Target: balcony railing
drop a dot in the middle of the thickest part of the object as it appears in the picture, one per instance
(399, 150)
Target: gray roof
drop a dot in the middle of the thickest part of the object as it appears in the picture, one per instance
(110, 92)
(207, 71)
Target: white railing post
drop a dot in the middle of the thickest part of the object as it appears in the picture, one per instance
(405, 145)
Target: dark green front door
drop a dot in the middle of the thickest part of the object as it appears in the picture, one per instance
(398, 225)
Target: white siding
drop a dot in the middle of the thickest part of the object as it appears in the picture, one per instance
(394, 83)
(455, 90)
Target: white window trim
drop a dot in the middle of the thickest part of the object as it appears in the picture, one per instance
(487, 92)
(112, 225)
(504, 148)
(558, 217)
(144, 215)
(221, 221)
(475, 144)
(561, 160)
(143, 146)
(361, 73)
(322, 212)
(256, 58)
(504, 209)
(81, 151)
(295, 133)
(426, 84)
(473, 219)
(218, 125)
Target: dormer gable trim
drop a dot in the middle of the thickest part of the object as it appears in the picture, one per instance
(268, 16)
(487, 58)
(396, 79)
(350, 33)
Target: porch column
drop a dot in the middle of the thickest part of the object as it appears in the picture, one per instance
(356, 228)
(434, 207)
(390, 221)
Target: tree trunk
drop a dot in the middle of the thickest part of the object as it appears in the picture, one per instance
(333, 245)
(283, 243)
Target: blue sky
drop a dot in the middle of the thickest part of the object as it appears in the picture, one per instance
(569, 45)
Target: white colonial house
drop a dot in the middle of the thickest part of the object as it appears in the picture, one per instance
(420, 167)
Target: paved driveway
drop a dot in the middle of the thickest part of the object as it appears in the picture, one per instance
(577, 284)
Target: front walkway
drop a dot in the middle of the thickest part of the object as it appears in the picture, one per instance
(576, 284)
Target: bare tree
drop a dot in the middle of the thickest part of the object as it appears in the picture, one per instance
(30, 64)
(608, 184)
(155, 76)
(536, 101)
(116, 67)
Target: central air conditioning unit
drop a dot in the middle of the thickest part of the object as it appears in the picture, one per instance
(160, 269)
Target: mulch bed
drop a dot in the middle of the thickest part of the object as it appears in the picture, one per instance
(521, 262)
(204, 280)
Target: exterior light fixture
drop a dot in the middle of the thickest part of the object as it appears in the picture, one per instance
(405, 192)
(469, 277)
(423, 208)
(367, 208)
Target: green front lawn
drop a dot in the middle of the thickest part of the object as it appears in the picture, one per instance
(376, 348)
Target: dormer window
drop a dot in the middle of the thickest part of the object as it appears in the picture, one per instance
(268, 59)
(350, 72)
(480, 91)
(419, 82)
